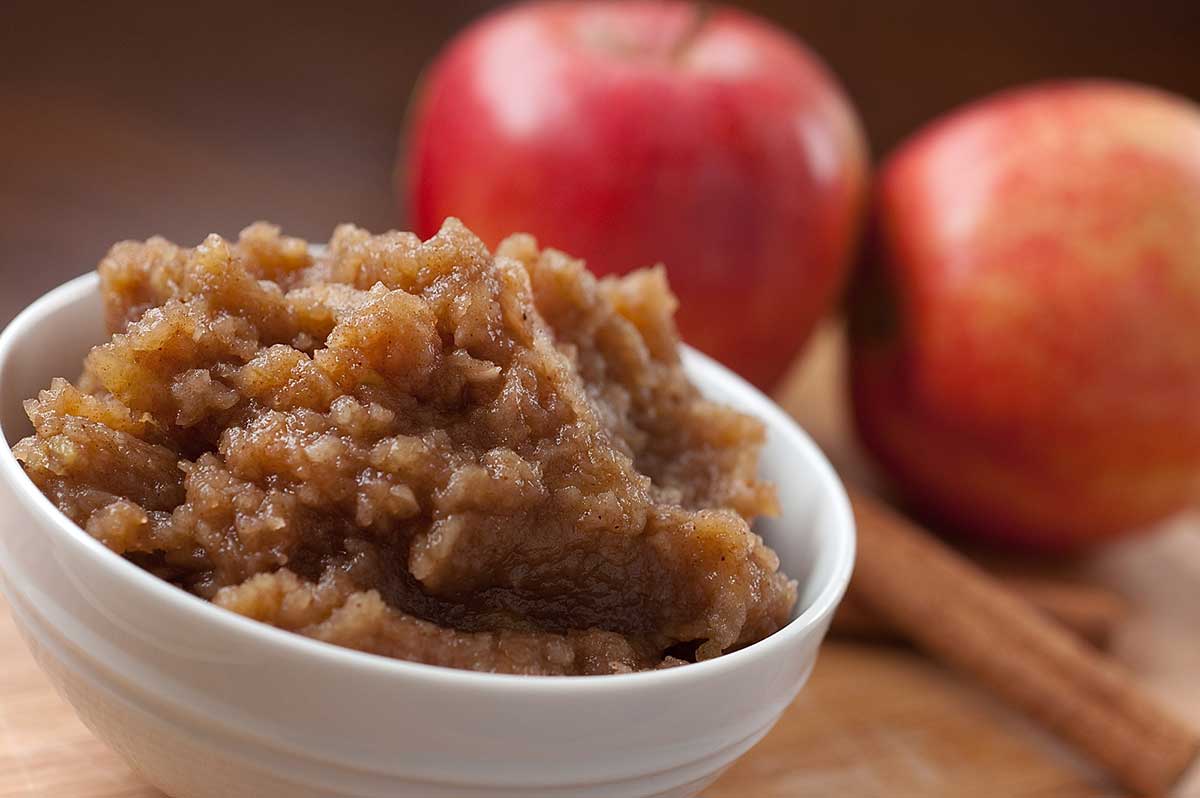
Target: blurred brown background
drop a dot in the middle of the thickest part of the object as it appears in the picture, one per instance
(122, 120)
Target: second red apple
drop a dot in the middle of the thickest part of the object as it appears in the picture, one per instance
(1026, 347)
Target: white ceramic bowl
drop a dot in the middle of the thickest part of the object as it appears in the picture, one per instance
(207, 704)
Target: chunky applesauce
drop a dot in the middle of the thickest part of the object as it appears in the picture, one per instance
(416, 449)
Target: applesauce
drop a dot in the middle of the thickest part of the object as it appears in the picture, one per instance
(416, 449)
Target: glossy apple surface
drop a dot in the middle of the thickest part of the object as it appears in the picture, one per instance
(644, 132)
(1026, 337)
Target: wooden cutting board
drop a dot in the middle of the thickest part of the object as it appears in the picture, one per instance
(874, 720)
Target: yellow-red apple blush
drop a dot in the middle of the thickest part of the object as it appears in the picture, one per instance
(1026, 335)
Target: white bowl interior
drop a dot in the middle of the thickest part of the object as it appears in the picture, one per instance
(54, 346)
(804, 534)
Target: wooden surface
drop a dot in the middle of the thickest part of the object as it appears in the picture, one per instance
(874, 722)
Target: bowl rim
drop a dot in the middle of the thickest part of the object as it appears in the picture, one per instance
(841, 537)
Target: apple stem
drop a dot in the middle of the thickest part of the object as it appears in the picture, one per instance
(701, 13)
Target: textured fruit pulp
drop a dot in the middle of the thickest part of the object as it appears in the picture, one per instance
(416, 449)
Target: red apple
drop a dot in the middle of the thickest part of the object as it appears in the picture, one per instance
(1026, 340)
(631, 133)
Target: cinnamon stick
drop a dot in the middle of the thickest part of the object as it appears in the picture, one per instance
(953, 610)
(1093, 613)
